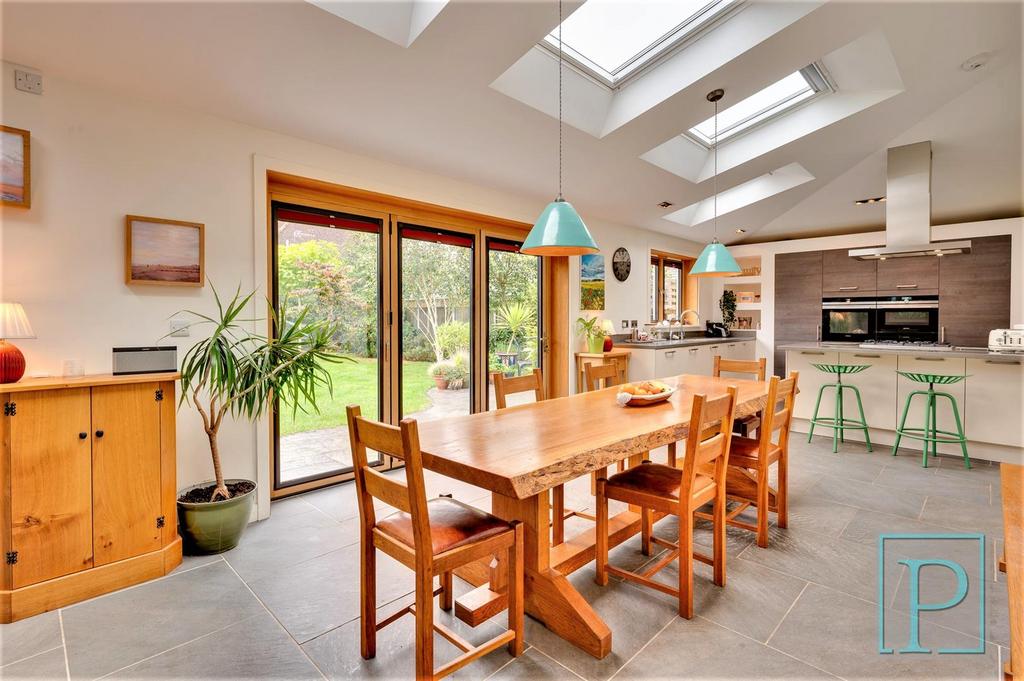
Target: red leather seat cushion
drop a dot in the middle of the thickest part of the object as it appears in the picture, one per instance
(658, 480)
(452, 524)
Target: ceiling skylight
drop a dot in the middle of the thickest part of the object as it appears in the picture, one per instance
(796, 88)
(613, 39)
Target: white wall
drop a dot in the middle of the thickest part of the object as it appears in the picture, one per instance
(98, 156)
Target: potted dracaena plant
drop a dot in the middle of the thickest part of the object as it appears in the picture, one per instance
(239, 373)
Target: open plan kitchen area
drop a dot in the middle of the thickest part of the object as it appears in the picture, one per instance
(494, 340)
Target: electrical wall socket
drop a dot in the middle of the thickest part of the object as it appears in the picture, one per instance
(625, 323)
(28, 82)
(179, 328)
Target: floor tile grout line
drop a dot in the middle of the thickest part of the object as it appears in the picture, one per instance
(642, 648)
(279, 623)
(64, 643)
(786, 614)
(175, 647)
(169, 575)
(764, 644)
(541, 652)
(527, 648)
(29, 657)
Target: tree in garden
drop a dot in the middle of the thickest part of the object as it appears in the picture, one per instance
(435, 287)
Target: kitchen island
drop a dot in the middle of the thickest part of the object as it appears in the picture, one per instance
(991, 398)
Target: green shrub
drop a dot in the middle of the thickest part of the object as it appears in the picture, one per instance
(453, 337)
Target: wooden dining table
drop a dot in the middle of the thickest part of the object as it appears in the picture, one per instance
(521, 452)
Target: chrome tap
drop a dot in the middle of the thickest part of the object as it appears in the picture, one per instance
(682, 316)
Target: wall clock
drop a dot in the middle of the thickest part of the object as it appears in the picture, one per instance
(621, 264)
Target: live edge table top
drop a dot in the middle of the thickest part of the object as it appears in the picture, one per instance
(523, 450)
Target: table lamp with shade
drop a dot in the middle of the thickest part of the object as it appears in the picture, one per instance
(13, 325)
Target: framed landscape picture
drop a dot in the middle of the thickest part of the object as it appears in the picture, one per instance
(165, 252)
(15, 167)
(591, 282)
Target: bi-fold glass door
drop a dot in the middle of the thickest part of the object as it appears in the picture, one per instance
(426, 310)
(331, 263)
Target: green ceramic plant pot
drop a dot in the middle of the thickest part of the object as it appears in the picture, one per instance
(595, 343)
(215, 526)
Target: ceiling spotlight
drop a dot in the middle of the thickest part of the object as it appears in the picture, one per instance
(976, 62)
(874, 199)
(741, 231)
(665, 204)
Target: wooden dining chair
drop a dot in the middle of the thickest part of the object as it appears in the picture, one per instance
(756, 369)
(432, 538)
(600, 376)
(534, 382)
(751, 459)
(657, 488)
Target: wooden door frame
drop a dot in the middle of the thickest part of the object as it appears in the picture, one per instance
(303, 191)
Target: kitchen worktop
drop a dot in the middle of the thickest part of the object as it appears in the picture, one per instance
(686, 342)
(981, 353)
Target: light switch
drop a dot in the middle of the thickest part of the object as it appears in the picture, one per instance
(28, 82)
(179, 328)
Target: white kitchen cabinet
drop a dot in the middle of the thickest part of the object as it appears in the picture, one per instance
(931, 363)
(668, 363)
(995, 401)
(811, 381)
(877, 386)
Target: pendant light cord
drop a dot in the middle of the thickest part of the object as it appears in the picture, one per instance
(716, 172)
(560, 100)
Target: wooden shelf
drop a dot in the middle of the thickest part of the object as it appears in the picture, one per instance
(753, 279)
(748, 307)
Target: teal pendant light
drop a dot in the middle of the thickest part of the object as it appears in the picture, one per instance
(559, 230)
(715, 260)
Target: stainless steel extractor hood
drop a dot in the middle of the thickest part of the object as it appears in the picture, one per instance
(908, 208)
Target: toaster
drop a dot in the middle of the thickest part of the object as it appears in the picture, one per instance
(1007, 340)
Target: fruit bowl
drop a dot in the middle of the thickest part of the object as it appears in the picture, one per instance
(643, 393)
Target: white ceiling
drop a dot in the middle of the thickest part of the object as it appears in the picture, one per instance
(291, 67)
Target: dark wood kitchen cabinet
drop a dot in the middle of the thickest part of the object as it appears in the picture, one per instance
(842, 274)
(909, 275)
(974, 291)
(798, 292)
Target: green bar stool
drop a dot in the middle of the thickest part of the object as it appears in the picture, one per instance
(930, 434)
(839, 423)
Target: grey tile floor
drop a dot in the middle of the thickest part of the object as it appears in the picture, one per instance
(284, 604)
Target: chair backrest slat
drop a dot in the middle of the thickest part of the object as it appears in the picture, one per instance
(708, 456)
(594, 375)
(756, 368)
(505, 386)
(387, 490)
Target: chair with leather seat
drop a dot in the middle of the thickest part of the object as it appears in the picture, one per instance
(751, 459)
(660, 489)
(757, 370)
(534, 382)
(432, 539)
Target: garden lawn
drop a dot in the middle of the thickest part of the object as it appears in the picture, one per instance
(356, 383)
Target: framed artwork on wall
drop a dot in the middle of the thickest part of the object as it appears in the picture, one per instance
(163, 252)
(591, 282)
(15, 167)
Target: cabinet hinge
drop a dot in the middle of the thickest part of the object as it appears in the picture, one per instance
(159, 395)
(10, 408)
(160, 522)
(12, 557)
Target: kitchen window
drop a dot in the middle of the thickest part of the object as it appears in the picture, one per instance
(671, 290)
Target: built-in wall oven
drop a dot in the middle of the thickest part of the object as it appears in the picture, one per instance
(908, 318)
(848, 319)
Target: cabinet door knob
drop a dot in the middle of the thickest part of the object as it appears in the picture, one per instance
(82, 436)
(99, 433)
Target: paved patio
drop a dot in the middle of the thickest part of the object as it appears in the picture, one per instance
(317, 452)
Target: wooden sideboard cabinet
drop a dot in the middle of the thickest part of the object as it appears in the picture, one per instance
(87, 488)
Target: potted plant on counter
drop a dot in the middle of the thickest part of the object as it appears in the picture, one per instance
(237, 372)
(728, 307)
(592, 332)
